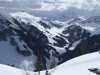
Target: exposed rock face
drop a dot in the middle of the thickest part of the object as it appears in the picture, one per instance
(75, 32)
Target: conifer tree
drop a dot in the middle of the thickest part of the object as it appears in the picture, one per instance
(81, 50)
(39, 65)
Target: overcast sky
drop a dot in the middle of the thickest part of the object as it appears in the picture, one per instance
(52, 8)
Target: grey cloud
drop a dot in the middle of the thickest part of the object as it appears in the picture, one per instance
(84, 9)
(21, 4)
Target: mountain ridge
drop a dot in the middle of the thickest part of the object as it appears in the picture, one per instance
(29, 35)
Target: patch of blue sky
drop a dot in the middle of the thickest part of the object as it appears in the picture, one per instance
(50, 2)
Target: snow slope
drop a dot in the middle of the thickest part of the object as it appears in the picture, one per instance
(79, 65)
(9, 56)
(34, 21)
(57, 39)
(8, 53)
(76, 66)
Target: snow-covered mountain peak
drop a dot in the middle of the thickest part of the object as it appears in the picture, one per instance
(24, 15)
(68, 16)
(92, 19)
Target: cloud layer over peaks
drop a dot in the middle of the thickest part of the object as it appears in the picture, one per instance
(52, 8)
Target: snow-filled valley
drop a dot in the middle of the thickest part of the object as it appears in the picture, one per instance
(75, 66)
(23, 37)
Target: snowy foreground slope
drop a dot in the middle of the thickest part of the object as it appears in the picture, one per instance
(76, 66)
